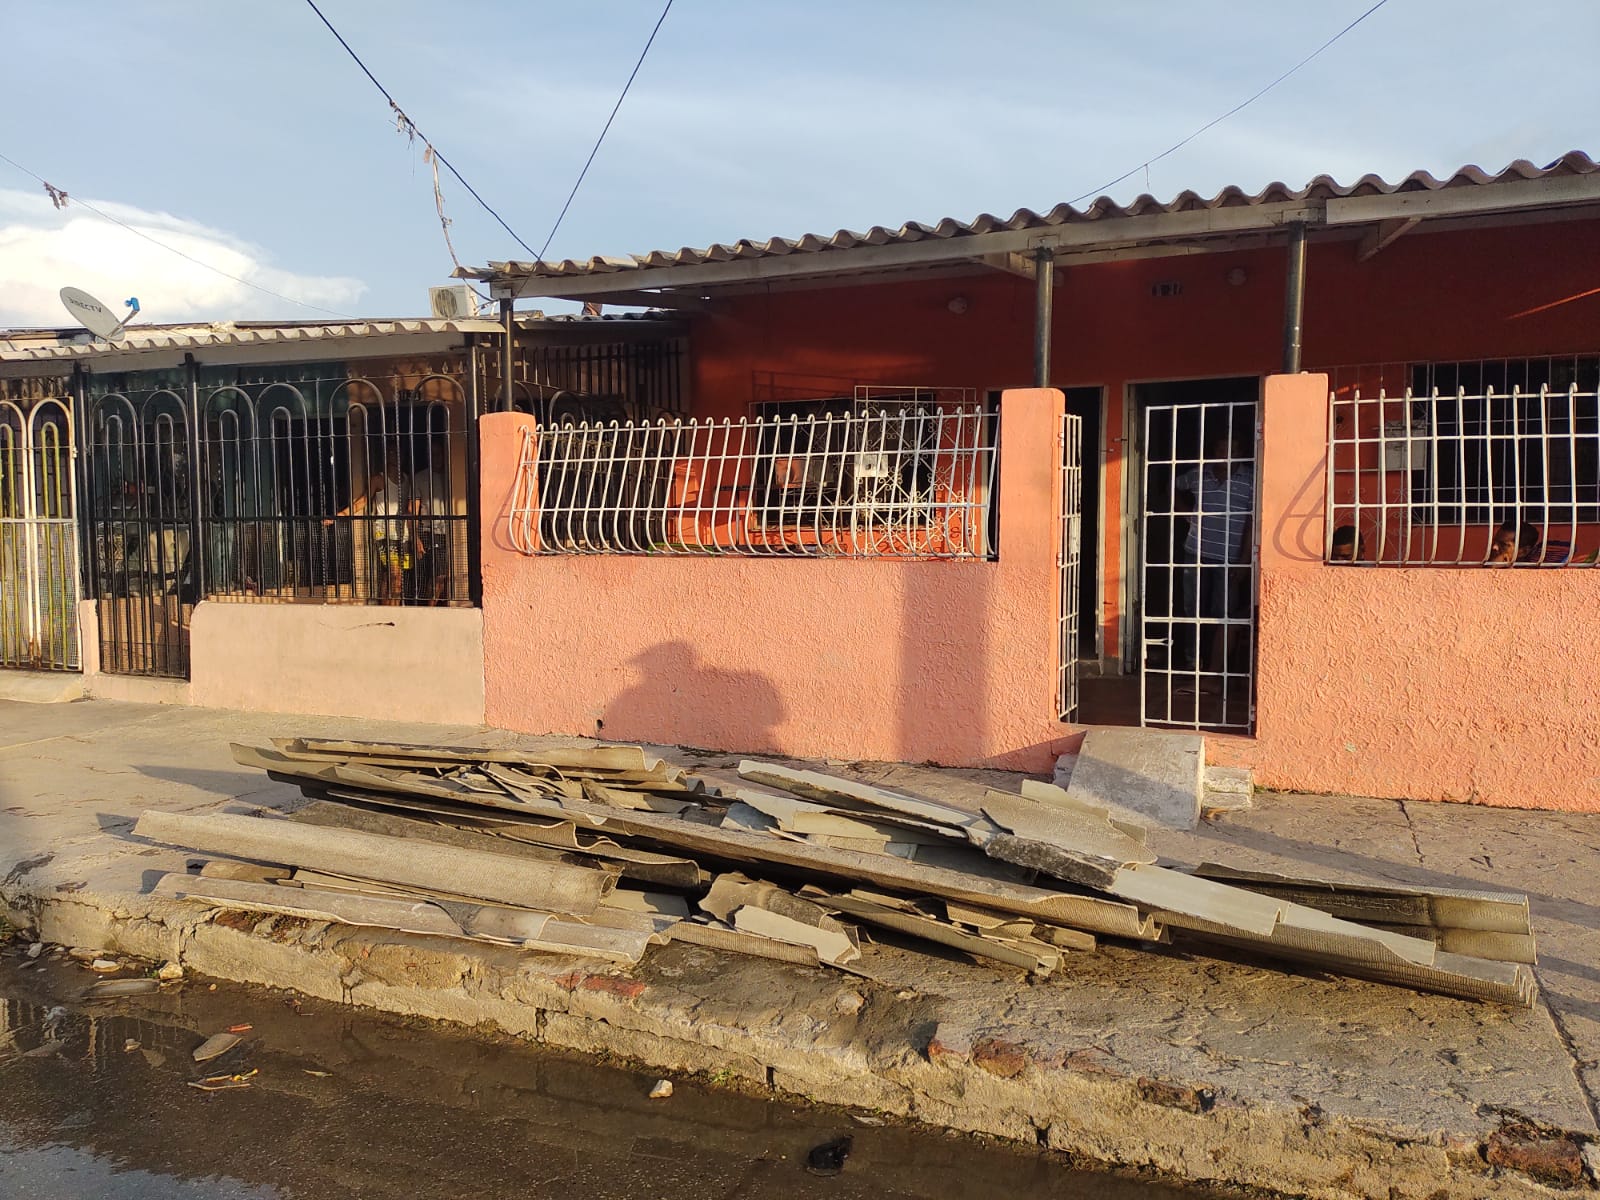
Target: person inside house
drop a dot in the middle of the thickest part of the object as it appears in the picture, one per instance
(385, 500)
(427, 503)
(1214, 576)
(1514, 544)
(1348, 546)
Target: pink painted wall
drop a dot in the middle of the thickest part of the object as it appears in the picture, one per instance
(388, 662)
(881, 659)
(1426, 683)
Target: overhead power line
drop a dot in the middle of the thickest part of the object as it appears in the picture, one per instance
(1243, 104)
(408, 126)
(614, 110)
(60, 198)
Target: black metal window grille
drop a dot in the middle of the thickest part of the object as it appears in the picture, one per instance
(324, 488)
(1510, 436)
(337, 491)
(640, 380)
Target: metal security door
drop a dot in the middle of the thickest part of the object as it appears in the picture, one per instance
(141, 523)
(1198, 567)
(38, 537)
(1070, 560)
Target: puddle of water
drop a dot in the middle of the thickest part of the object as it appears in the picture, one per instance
(350, 1105)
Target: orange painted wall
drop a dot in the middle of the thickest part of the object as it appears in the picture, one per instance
(1422, 683)
(1428, 296)
(948, 661)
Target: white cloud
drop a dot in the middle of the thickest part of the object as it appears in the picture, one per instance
(43, 249)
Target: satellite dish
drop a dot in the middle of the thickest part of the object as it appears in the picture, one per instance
(95, 316)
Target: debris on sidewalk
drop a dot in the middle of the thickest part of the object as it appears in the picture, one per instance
(1494, 925)
(606, 851)
(113, 989)
(224, 1083)
(215, 1046)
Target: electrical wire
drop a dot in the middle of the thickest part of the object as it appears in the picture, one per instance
(410, 127)
(1145, 166)
(61, 199)
(614, 110)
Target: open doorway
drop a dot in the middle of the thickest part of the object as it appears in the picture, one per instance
(1196, 540)
(1189, 592)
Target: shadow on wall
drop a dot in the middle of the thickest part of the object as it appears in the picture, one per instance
(1297, 535)
(676, 698)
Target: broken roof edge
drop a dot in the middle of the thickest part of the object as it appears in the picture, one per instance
(1572, 178)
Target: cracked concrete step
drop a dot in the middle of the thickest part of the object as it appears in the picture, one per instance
(1151, 777)
(1227, 789)
(1223, 789)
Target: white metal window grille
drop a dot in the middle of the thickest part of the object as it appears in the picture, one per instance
(900, 481)
(1071, 557)
(38, 536)
(1465, 478)
(1198, 567)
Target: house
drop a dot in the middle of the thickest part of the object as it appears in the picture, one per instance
(210, 514)
(951, 492)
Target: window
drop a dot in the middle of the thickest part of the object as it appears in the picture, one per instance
(1488, 461)
(908, 475)
(1504, 438)
(872, 458)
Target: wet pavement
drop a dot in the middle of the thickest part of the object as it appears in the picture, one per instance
(95, 1101)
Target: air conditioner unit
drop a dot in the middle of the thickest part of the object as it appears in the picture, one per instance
(452, 303)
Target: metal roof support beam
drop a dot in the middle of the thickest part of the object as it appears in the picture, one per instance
(1294, 299)
(1044, 270)
(474, 475)
(508, 356)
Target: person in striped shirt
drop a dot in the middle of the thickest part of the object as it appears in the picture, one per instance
(1219, 498)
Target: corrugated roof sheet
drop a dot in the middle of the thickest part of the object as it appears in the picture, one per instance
(69, 344)
(1323, 187)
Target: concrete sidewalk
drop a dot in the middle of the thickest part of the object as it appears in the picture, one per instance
(1196, 1068)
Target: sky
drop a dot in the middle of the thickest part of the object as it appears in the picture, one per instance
(240, 134)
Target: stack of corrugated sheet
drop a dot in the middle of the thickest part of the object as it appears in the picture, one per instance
(606, 851)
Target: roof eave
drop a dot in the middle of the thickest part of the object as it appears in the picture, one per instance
(1132, 232)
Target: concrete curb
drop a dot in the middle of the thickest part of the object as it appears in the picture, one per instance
(42, 687)
(837, 1039)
